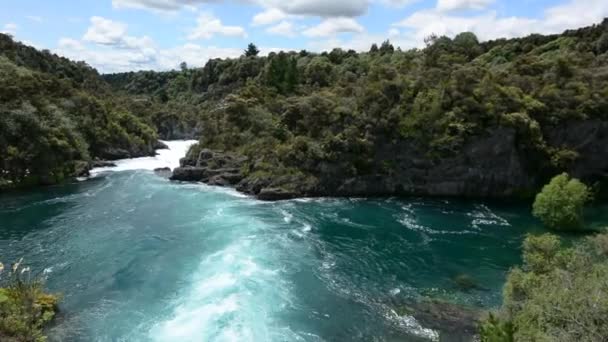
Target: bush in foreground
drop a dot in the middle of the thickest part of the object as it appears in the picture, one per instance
(25, 307)
(559, 294)
(560, 204)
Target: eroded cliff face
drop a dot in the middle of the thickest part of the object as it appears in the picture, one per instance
(496, 164)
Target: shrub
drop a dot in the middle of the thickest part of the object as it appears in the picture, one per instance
(25, 308)
(559, 294)
(560, 203)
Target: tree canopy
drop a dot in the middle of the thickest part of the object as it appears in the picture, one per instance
(560, 204)
(252, 50)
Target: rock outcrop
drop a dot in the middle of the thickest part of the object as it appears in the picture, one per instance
(496, 164)
(212, 167)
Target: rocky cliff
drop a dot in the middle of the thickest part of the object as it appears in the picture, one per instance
(493, 165)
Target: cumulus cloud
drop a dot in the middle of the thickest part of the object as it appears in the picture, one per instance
(269, 16)
(284, 28)
(158, 5)
(108, 59)
(333, 26)
(105, 31)
(398, 3)
(208, 25)
(489, 25)
(319, 8)
(455, 5)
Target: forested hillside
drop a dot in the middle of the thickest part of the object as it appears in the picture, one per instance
(57, 115)
(459, 117)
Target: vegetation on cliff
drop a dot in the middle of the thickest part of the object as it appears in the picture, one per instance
(459, 117)
(316, 123)
(56, 115)
(25, 307)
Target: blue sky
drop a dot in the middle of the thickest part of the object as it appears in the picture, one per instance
(123, 35)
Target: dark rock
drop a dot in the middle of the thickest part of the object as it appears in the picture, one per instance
(454, 322)
(252, 186)
(589, 139)
(102, 163)
(275, 194)
(163, 172)
(465, 282)
(81, 169)
(212, 167)
(189, 174)
(495, 164)
(115, 154)
(159, 145)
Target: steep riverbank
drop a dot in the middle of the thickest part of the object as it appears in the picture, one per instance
(494, 165)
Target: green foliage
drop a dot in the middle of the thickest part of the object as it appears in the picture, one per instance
(352, 113)
(495, 330)
(560, 204)
(560, 294)
(252, 50)
(25, 308)
(601, 46)
(282, 73)
(55, 115)
(386, 47)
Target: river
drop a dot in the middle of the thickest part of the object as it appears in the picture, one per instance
(139, 258)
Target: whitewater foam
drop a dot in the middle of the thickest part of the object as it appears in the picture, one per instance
(165, 158)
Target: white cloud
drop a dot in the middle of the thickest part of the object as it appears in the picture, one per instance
(9, 28)
(104, 31)
(319, 8)
(194, 54)
(35, 18)
(71, 44)
(398, 3)
(269, 16)
(333, 26)
(284, 28)
(574, 14)
(456, 5)
(208, 25)
(488, 25)
(393, 32)
(108, 59)
(158, 5)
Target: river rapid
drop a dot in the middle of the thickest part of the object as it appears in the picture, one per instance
(139, 258)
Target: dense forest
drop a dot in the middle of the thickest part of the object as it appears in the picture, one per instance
(459, 117)
(57, 115)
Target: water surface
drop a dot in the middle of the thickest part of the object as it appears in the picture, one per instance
(139, 258)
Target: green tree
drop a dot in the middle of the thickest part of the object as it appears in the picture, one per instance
(601, 45)
(559, 294)
(386, 47)
(252, 50)
(560, 203)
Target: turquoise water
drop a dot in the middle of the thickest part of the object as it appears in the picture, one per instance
(139, 258)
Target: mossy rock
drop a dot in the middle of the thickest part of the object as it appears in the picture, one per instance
(465, 282)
